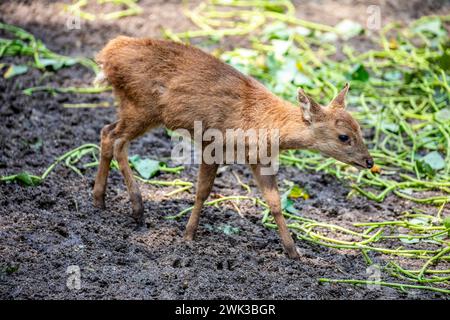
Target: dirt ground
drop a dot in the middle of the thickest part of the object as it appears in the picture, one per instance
(47, 228)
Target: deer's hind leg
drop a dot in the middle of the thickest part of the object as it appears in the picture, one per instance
(128, 129)
(116, 137)
(106, 155)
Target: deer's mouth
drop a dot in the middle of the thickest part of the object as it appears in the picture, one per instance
(358, 165)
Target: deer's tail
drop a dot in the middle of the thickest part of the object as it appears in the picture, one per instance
(100, 79)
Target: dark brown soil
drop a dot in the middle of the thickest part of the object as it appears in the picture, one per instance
(47, 228)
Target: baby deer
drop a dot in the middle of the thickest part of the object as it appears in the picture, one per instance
(165, 83)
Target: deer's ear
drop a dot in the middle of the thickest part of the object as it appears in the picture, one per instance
(339, 101)
(310, 107)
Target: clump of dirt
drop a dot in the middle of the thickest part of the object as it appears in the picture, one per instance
(46, 229)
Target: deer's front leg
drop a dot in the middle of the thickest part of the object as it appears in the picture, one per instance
(206, 176)
(268, 186)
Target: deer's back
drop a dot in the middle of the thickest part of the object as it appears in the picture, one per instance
(178, 83)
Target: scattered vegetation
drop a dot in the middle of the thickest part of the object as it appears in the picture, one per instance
(132, 8)
(24, 43)
(145, 167)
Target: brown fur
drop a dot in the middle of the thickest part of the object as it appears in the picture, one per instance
(166, 83)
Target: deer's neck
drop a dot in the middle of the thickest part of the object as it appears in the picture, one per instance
(288, 119)
(271, 112)
(294, 132)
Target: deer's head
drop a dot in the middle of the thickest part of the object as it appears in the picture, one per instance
(336, 133)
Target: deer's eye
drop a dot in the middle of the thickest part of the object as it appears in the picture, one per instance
(343, 137)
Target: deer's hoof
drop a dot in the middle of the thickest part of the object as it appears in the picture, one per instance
(99, 203)
(188, 236)
(293, 253)
(138, 214)
(140, 226)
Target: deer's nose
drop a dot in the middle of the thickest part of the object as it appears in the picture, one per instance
(369, 163)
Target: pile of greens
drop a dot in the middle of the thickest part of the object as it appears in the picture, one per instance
(400, 94)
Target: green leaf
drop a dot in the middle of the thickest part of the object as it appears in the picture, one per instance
(297, 192)
(271, 62)
(410, 77)
(447, 223)
(228, 230)
(56, 64)
(15, 70)
(434, 160)
(274, 7)
(287, 72)
(392, 75)
(443, 61)
(407, 191)
(281, 47)
(443, 114)
(26, 179)
(359, 73)
(429, 143)
(288, 205)
(432, 26)
(419, 221)
(293, 192)
(28, 91)
(409, 240)
(425, 168)
(302, 80)
(10, 269)
(146, 168)
(348, 29)
(302, 31)
(390, 126)
(327, 36)
(37, 144)
(278, 30)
